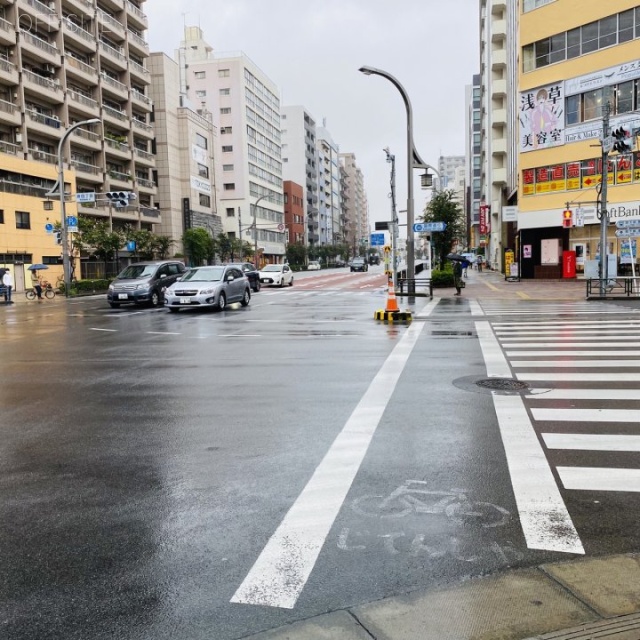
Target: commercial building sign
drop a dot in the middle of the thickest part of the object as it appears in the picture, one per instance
(602, 78)
(200, 185)
(542, 117)
(199, 154)
(484, 212)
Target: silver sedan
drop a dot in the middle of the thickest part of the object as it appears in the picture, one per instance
(215, 286)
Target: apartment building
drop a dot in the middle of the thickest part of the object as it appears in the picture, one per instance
(62, 63)
(245, 106)
(185, 144)
(330, 224)
(579, 61)
(498, 70)
(294, 212)
(299, 163)
(447, 166)
(473, 165)
(357, 210)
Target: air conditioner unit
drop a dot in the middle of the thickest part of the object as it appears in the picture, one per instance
(19, 138)
(49, 68)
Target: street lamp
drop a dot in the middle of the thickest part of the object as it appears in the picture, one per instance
(255, 227)
(60, 187)
(414, 161)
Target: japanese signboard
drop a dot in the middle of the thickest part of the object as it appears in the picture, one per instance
(542, 118)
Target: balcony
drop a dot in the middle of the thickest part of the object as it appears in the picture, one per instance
(138, 44)
(87, 172)
(499, 147)
(117, 57)
(87, 139)
(313, 237)
(142, 127)
(115, 116)
(9, 113)
(146, 186)
(7, 33)
(114, 87)
(499, 59)
(141, 100)
(144, 157)
(498, 30)
(119, 179)
(499, 88)
(40, 48)
(10, 149)
(42, 156)
(499, 118)
(136, 16)
(81, 38)
(139, 71)
(114, 5)
(43, 86)
(498, 7)
(43, 14)
(119, 149)
(85, 7)
(8, 72)
(47, 124)
(80, 69)
(150, 214)
(85, 104)
(499, 176)
(109, 25)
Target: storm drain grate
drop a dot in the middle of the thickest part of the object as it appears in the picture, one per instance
(502, 384)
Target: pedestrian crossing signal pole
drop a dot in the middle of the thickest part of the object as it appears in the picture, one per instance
(604, 217)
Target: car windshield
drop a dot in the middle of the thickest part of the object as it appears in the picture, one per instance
(358, 260)
(138, 271)
(273, 267)
(204, 274)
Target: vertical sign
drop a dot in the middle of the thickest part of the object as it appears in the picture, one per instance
(186, 213)
(484, 208)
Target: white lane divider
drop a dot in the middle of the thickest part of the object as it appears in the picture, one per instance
(106, 330)
(283, 568)
(544, 518)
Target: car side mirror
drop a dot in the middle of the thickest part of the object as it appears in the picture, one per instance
(163, 275)
(230, 278)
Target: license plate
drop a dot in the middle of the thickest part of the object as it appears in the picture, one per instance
(185, 300)
(123, 296)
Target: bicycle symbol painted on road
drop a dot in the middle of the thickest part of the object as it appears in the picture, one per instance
(414, 497)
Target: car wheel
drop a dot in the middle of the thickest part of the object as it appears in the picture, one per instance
(155, 298)
(291, 283)
(173, 309)
(222, 302)
(282, 283)
(256, 287)
(245, 298)
(114, 305)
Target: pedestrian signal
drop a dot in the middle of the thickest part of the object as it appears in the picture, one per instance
(567, 218)
(387, 249)
(120, 199)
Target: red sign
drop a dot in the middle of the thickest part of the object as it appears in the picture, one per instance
(484, 209)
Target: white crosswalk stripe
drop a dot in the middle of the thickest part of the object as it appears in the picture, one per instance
(522, 308)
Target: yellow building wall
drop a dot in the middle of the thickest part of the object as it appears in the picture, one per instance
(35, 241)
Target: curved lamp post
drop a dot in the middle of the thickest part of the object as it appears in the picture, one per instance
(255, 228)
(60, 189)
(414, 161)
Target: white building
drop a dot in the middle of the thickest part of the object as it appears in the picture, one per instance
(331, 229)
(245, 105)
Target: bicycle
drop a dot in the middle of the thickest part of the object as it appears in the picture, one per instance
(47, 291)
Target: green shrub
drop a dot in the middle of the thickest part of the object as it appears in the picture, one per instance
(87, 287)
(442, 278)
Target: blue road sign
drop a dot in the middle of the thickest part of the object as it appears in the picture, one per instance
(420, 227)
(131, 245)
(377, 239)
(48, 227)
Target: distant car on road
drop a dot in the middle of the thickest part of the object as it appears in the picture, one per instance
(251, 272)
(277, 275)
(374, 259)
(359, 264)
(314, 265)
(209, 287)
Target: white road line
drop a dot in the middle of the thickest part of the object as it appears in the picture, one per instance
(600, 479)
(563, 353)
(577, 323)
(584, 394)
(591, 442)
(283, 568)
(586, 415)
(163, 333)
(572, 364)
(239, 335)
(107, 330)
(544, 518)
(579, 376)
(560, 343)
(569, 332)
(476, 309)
(428, 308)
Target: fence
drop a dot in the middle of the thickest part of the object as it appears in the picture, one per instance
(420, 287)
(626, 287)
(99, 270)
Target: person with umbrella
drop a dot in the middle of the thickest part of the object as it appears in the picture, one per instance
(35, 281)
(458, 282)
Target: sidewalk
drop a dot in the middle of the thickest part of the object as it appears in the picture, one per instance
(578, 600)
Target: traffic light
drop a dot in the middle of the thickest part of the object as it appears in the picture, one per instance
(567, 218)
(58, 236)
(623, 139)
(120, 199)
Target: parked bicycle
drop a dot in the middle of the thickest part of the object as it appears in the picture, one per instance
(47, 291)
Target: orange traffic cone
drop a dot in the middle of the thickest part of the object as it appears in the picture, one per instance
(392, 303)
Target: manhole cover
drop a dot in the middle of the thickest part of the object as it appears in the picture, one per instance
(502, 384)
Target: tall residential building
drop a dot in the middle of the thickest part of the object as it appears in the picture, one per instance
(62, 63)
(245, 105)
(294, 212)
(331, 229)
(579, 61)
(357, 210)
(474, 165)
(447, 166)
(498, 32)
(299, 162)
(185, 146)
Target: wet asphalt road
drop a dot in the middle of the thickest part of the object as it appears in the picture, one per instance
(147, 459)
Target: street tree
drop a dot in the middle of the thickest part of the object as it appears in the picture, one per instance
(444, 207)
(197, 245)
(162, 246)
(296, 254)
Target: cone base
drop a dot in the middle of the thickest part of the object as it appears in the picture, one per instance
(392, 316)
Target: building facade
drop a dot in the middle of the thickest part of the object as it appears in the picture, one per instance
(473, 165)
(579, 62)
(357, 210)
(294, 212)
(64, 63)
(330, 227)
(245, 106)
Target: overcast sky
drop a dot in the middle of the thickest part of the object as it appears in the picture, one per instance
(312, 49)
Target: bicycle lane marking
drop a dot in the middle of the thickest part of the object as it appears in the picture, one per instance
(544, 518)
(281, 571)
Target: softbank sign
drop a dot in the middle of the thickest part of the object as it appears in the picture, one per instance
(619, 211)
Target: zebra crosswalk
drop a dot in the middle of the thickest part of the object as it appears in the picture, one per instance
(583, 378)
(534, 308)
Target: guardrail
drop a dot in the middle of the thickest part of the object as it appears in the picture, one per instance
(420, 287)
(625, 287)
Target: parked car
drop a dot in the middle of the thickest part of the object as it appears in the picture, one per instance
(215, 286)
(359, 264)
(144, 282)
(314, 265)
(251, 272)
(374, 259)
(276, 274)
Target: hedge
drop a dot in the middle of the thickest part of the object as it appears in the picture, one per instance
(87, 287)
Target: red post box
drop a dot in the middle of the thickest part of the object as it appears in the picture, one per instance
(568, 264)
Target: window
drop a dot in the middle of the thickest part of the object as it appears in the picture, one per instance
(624, 97)
(227, 167)
(589, 37)
(557, 48)
(625, 26)
(203, 171)
(608, 32)
(1, 216)
(224, 73)
(201, 93)
(225, 111)
(573, 109)
(542, 52)
(476, 116)
(573, 43)
(50, 259)
(227, 149)
(225, 92)
(229, 186)
(593, 102)
(200, 75)
(23, 220)
(224, 130)
(205, 200)
(201, 141)
(231, 212)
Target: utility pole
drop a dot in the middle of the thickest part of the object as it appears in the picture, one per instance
(607, 146)
(394, 217)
